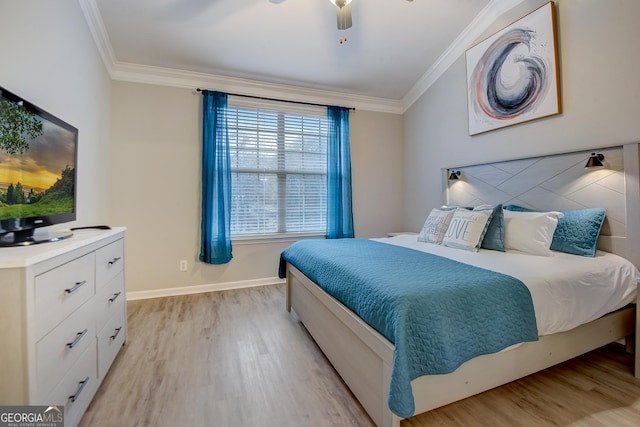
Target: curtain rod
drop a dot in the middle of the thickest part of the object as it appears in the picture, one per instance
(278, 100)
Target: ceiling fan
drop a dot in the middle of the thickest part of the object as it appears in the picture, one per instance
(343, 11)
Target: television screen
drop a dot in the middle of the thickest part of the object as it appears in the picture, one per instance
(38, 153)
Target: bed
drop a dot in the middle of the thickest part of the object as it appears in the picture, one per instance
(364, 357)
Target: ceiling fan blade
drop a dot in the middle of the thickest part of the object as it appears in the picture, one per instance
(344, 16)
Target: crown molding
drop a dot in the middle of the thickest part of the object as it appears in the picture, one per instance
(191, 80)
(467, 38)
(98, 31)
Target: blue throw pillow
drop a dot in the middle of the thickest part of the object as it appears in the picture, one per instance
(577, 231)
(494, 237)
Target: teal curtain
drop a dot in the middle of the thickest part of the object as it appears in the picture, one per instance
(215, 245)
(339, 210)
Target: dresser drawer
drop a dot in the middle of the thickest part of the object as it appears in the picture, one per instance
(60, 291)
(110, 340)
(109, 299)
(59, 350)
(109, 262)
(76, 389)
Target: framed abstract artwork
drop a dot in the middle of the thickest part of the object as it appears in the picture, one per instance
(512, 76)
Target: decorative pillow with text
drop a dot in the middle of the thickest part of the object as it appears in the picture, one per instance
(467, 229)
(435, 226)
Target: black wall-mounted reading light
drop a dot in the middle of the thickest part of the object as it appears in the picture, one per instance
(454, 175)
(595, 161)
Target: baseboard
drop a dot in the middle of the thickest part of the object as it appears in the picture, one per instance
(198, 289)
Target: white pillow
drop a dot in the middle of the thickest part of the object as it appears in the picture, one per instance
(466, 229)
(530, 232)
(435, 226)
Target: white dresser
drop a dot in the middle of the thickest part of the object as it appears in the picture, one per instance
(62, 319)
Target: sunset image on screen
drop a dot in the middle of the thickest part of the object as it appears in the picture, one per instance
(37, 167)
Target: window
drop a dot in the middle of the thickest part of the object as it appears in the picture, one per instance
(278, 170)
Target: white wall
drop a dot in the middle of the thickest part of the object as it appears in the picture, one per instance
(377, 160)
(48, 57)
(156, 192)
(599, 63)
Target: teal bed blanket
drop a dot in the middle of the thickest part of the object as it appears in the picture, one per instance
(438, 313)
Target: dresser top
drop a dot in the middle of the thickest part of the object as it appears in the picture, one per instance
(25, 256)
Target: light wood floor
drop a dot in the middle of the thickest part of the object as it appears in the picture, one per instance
(237, 358)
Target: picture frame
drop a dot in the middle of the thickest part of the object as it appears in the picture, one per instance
(513, 76)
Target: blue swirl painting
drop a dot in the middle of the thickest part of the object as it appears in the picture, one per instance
(512, 76)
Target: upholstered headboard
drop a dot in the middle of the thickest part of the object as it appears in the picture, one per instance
(561, 181)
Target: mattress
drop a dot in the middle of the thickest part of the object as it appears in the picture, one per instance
(566, 290)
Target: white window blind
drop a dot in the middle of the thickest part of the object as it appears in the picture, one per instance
(278, 167)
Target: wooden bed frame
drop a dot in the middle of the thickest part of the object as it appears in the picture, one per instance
(363, 357)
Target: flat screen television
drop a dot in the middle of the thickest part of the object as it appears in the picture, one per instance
(38, 155)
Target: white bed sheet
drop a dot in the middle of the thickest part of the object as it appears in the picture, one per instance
(567, 290)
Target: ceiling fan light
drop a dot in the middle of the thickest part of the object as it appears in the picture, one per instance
(344, 17)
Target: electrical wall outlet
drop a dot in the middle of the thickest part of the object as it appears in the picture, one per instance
(183, 265)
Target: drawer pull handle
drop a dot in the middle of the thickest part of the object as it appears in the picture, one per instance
(75, 287)
(117, 331)
(81, 384)
(114, 260)
(113, 298)
(78, 338)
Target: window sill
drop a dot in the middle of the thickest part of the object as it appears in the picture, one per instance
(251, 239)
